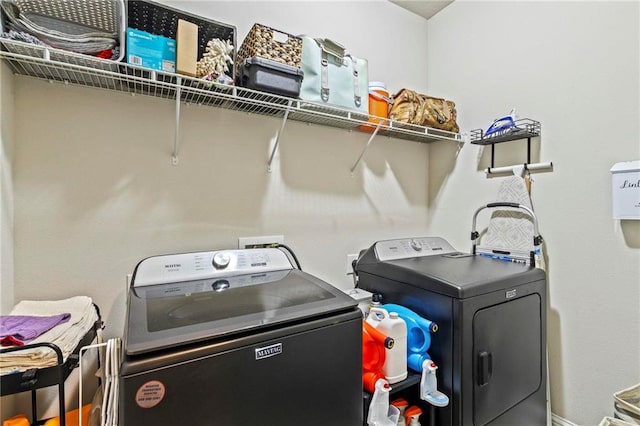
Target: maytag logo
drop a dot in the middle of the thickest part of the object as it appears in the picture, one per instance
(268, 351)
(511, 294)
(172, 265)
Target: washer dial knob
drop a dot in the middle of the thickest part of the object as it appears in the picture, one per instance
(416, 245)
(221, 260)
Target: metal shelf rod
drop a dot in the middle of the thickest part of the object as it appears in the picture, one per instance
(375, 132)
(176, 136)
(275, 145)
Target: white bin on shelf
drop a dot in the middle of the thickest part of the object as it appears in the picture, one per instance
(627, 404)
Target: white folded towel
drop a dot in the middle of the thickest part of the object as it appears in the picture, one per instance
(66, 336)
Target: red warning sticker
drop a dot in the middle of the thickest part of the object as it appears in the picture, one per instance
(150, 394)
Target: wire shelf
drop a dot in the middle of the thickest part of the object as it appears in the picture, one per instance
(524, 128)
(60, 66)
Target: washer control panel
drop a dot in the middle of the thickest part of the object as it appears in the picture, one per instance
(211, 264)
(412, 247)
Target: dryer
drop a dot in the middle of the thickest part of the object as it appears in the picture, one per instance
(491, 342)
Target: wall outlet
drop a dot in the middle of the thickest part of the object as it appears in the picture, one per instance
(257, 242)
(350, 259)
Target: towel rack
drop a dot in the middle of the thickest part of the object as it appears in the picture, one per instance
(531, 167)
(524, 128)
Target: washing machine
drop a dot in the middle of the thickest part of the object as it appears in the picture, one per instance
(491, 343)
(238, 337)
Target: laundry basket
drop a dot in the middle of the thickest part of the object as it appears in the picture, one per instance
(69, 19)
(64, 19)
(627, 404)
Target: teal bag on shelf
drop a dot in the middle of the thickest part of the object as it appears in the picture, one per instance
(332, 76)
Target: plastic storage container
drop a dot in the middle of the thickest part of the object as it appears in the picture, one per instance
(379, 105)
(70, 17)
(270, 76)
(269, 43)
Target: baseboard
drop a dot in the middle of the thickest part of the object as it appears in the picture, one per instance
(559, 421)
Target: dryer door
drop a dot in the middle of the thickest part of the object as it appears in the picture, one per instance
(507, 341)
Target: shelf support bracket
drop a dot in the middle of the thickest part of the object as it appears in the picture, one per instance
(275, 145)
(375, 132)
(176, 143)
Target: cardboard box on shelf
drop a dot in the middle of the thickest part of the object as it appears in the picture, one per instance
(151, 51)
(187, 48)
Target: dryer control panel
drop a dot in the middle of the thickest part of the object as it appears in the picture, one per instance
(412, 247)
(174, 268)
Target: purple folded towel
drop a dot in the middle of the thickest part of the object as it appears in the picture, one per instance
(20, 329)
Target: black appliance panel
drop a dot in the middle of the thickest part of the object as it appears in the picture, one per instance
(313, 377)
(506, 343)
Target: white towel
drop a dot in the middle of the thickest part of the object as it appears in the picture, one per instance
(66, 336)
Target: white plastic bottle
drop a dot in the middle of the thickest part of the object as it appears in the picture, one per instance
(390, 324)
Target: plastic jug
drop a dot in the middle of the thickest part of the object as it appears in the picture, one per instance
(390, 323)
(374, 344)
(418, 335)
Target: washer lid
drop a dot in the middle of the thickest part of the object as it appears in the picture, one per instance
(173, 314)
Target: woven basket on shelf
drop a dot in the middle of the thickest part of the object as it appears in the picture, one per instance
(261, 41)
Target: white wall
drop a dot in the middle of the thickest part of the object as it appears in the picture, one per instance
(6, 207)
(6, 189)
(575, 67)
